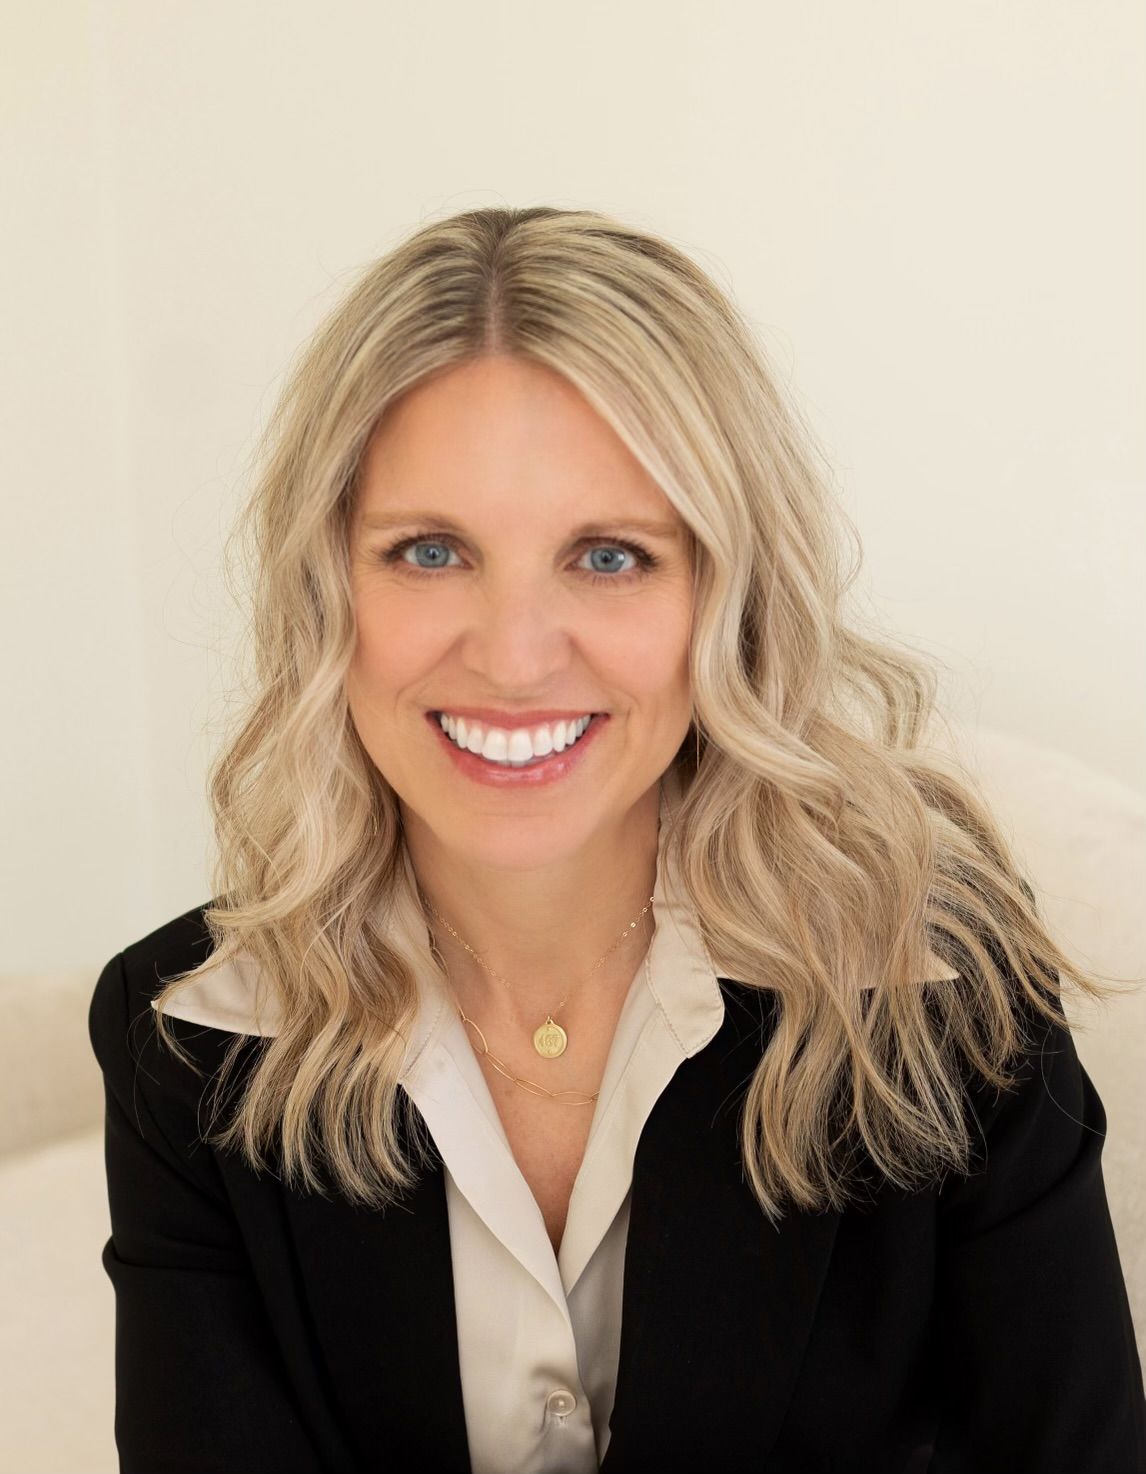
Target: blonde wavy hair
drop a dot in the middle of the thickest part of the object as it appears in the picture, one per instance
(823, 847)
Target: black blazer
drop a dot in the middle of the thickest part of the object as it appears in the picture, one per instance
(979, 1326)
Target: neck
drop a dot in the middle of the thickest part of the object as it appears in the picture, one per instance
(546, 931)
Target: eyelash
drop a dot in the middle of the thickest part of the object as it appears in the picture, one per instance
(646, 561)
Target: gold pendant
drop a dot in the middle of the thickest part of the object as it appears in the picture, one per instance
(550, 1039)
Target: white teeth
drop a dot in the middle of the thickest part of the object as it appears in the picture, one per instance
(495, 747)
(513, 748)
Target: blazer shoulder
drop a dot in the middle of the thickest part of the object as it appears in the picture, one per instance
(121, 1022)
(171, 949)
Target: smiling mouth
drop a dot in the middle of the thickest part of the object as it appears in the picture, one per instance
(595, 718)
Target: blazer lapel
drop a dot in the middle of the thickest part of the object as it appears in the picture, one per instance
(381, 1293)
(717, 1304)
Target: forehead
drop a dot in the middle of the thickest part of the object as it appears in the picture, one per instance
(504, 434)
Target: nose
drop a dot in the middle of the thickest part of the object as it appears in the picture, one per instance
(519, 640)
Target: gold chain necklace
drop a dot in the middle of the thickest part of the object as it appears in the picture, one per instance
(550, 1040)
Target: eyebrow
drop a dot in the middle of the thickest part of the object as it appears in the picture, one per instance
(379, 521)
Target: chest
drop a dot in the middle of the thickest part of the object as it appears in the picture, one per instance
(548, 1148)
(548, 1137)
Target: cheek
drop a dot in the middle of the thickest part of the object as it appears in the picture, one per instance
(384, 665)
(390, 652)
(650, 650)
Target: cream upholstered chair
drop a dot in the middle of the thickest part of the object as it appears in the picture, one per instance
(1081, 838)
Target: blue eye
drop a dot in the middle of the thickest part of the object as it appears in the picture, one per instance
(393, 556)
(400, 548)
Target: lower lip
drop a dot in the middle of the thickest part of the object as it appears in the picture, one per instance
(550, 769)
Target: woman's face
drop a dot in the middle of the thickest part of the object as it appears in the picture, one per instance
(499, 599)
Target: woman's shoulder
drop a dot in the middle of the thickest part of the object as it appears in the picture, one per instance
(122, 1023)
(176, 947)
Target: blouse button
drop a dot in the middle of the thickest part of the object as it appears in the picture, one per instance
(560, 1402)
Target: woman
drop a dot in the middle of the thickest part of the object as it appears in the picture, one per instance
(615, 1042)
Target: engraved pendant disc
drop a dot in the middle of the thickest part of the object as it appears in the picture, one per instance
(550, 1039)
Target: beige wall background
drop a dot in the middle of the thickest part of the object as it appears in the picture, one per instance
(933, 214)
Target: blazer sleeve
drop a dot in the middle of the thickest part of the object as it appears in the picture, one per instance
(1039, 1364)
(200, 1387)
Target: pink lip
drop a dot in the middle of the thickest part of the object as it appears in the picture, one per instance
(509, 720)
(551, 769)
